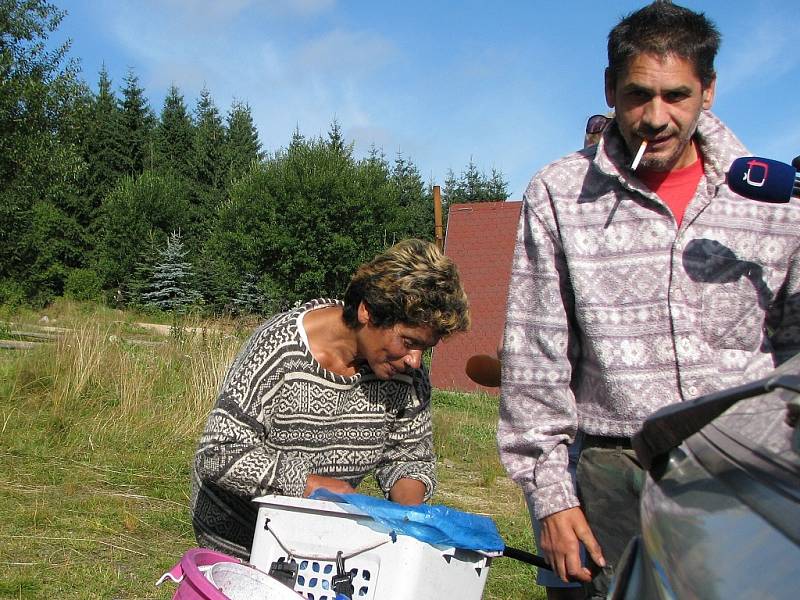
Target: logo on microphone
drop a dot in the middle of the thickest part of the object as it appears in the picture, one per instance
(756, 174)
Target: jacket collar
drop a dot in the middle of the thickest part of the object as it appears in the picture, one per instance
(718, 144)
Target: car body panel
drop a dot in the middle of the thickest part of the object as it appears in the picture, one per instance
(722, 518)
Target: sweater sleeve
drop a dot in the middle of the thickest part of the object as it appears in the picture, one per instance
(408, 450)
(232, 452)
(538, 417)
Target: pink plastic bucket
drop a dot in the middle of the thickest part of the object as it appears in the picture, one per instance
(240, 580)
(192, 582)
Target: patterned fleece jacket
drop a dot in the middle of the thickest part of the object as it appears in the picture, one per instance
(614, 311)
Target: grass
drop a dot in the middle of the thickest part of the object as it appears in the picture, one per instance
(96, 438)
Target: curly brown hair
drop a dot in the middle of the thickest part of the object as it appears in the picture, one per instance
(412, 283)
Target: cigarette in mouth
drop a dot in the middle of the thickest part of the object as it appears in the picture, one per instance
(639, 154)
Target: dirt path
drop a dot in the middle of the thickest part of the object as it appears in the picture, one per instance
(165, 329)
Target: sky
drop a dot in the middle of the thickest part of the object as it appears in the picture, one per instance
(506, 84)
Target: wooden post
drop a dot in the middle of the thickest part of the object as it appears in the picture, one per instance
(438, 229)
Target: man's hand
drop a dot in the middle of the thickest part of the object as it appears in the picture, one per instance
(561, 533)
(337, 486)
(407, 491)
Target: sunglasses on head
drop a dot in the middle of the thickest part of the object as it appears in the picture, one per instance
(597, 123)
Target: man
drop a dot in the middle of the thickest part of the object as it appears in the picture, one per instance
(635, 288)
(556, 588)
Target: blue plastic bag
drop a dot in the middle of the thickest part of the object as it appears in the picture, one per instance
(435, 524)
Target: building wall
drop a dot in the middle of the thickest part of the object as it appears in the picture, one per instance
(480, 240)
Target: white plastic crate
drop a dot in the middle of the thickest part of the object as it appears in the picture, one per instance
(384, 567)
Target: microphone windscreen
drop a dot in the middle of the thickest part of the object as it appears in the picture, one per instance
(484, 370)
(762, 179)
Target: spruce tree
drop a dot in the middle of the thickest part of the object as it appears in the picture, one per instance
(336, 140)
(376, 194)
(497, 186)
(249, 299)
(297, 141)
(209, 141)
(414, 200)
(474, 186)
(450, 191)
(171, 286)
(174, 136)
(472, 183)
(208, 166)
(104, 149)
(138, 123)
(242, 147)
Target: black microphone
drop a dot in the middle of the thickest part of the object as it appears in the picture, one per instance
(764, 179)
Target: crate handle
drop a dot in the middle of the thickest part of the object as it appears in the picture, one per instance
(292, 553)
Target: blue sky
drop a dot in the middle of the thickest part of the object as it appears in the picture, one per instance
(506, 83)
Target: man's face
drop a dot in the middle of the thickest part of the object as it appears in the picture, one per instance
(659, 99)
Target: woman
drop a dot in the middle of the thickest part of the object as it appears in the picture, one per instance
(329, 392)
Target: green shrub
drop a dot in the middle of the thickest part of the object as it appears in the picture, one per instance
(83, 284)
(12, 293)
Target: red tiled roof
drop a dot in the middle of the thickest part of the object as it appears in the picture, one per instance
(480, 239)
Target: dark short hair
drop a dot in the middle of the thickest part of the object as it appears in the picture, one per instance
(412, 283)
(663, 28)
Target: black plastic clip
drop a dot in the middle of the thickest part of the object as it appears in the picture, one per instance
(342, 581)
(285, 572)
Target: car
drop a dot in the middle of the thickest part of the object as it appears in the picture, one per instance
(720, 507)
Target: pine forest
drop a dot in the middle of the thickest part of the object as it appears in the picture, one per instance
(104, 198)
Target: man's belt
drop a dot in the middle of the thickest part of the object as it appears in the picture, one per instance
(604, 441)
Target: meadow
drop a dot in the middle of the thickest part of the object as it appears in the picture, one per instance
(97, 431)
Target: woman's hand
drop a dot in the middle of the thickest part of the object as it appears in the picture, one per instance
(337, 486)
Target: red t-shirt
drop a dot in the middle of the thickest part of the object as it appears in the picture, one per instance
(675, 188)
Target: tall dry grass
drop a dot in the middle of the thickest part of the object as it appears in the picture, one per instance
(168, 386)
(128, 383)
(97, 431)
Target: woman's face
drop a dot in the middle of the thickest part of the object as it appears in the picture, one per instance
(395, 349)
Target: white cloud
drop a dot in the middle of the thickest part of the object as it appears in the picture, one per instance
(308, 7)
(270, 64)
(213, 11)
(352, 53)
(206, 10)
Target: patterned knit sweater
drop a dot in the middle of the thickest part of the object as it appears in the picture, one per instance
(281, 416)
(614, 311)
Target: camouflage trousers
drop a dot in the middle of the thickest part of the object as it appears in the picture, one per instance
(609, 481)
